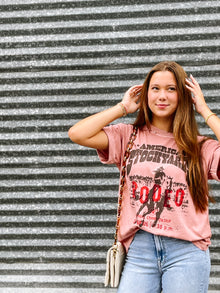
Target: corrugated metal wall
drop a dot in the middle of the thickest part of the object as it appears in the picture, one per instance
(61, 61)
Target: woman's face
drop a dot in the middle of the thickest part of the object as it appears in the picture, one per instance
(162, 98)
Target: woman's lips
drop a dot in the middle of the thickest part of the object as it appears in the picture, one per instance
(162, 106)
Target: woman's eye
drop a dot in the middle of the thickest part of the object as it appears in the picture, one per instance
(155, 88)
(172, 89)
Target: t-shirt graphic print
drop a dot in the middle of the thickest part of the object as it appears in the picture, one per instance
(152, 194)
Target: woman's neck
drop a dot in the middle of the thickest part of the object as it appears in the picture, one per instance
(165, 124)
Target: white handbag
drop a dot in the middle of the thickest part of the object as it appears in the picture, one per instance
(114, 264)
(116, 254)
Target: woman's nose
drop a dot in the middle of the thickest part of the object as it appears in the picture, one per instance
(162, 95)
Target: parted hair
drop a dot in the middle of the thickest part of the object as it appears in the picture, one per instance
(185, 131)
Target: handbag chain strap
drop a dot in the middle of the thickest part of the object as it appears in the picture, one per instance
(122, 180)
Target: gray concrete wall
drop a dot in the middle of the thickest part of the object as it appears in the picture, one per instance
(61, 61)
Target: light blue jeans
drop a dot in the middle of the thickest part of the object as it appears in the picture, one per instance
(157, 264)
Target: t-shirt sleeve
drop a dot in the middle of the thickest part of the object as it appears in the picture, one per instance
(117, 134)
(211, 154)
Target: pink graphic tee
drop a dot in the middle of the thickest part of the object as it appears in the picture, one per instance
(156, 197)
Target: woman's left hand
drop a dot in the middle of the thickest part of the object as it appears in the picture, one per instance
(201, 107)
(197, 95)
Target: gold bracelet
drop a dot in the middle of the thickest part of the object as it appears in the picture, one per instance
(124, 110)
(209, 117)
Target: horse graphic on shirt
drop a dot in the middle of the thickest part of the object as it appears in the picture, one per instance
(157, 197)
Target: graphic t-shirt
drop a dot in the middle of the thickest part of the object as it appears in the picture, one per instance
(156, 197)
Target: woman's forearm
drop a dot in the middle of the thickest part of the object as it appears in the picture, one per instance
(212, 121)
(88, 132)
(201, 107)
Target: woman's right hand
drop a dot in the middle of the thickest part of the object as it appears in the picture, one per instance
(131, 98)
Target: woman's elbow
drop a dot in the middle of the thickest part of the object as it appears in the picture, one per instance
(74, 135)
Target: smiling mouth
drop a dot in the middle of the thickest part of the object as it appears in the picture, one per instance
(162, 106)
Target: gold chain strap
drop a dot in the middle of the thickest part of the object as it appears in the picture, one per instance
(122, 180)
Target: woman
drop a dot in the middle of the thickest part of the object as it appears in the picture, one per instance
(164, 222)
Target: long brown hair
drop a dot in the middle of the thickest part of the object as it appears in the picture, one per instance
(185, 131)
